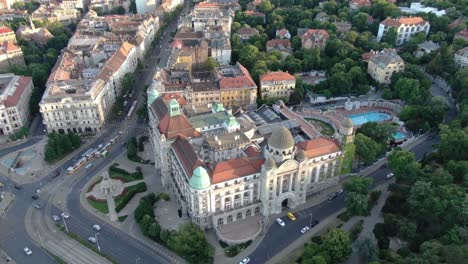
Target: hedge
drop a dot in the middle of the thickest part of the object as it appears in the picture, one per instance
(131, 191)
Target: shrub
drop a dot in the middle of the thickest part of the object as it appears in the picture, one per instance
(234, 250)
(164, 196)
(355, 230)
(223, 244)
(132, 190)
(374, 196)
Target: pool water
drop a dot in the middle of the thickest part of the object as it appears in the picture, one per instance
(359, 119)
(399, 135)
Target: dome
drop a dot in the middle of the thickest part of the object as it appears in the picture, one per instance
(281, 138)
(200, 179)
(270, 163)
(348, 123)
(301, 155)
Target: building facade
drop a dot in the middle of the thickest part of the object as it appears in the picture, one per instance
(461, 57)
(15, 92)
(277, 84)
(405, 27)
(382, 66)
(314, 38)
(7, 34)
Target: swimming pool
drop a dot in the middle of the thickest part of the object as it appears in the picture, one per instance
(359, 119)
(399, 135)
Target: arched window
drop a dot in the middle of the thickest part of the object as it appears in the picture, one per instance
(229, 219)
(239, 216)
(248, 213)
(257, 210)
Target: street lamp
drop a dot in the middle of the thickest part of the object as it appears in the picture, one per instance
(65, 224)
(97, 241)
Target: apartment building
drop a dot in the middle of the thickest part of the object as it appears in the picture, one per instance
(15, 92)
(383, 65)
(277, 84)
(406, 28)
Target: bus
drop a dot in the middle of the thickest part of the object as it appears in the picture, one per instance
(76, 166)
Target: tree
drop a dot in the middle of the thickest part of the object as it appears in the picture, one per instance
(337, 244)
(357, 204)
(405, 166)
(366, 148)
(132, 148)
(190, 242)
(367, 248)
(154, 230)
(453, 143)
(380, 133)
(390, 37)
(360, 21)
(128, 82)
(132, 7)
(211, 64)
(408, 89)
(265, 6)
(357, 184)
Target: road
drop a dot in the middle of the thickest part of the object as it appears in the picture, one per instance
(114, 242)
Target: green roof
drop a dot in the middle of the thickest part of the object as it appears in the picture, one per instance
(219, 107)
(209, 119)
(200, 179)
(152, 95)
(232, 122)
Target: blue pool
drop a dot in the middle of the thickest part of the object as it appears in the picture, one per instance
(359, 119)
(399, 135)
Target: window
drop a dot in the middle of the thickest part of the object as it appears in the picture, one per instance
(229, 219)
(257, 210)
(248, 213)
(239, 216)
(220, 221)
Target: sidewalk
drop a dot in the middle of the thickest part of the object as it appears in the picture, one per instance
(5, 259)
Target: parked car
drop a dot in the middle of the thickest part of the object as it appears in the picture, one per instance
(332, 196)
(389, 176)
(56, 218)
(291, 216)
(1, 184)
(65, 215)
(430, 138)
(384, 166)
(92, 239)
(35, 196)
(314, 223)
(18, 187)
(305, 229)
(245, 260)
(27, 251)
(97, 227)
(340, 191)
(38, 204)
(280, 222)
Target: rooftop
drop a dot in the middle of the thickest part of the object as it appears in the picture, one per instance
(227, 140)
(319, 147)
(235, 168)
(12, 88)
(396, 22)
(386, 57)
(208, 120)
(236, 76)
(276, 76)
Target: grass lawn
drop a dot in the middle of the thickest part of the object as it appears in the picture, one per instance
(100, 206)
(122, 218)
(327, 130)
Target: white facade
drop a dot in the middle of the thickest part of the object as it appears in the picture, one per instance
(406, 28)
(15, 92)
(461, 57)
(420, 8)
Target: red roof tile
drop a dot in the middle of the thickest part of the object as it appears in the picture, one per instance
(242, 81)
(315, 32)
(276, 76)
(187, 155)
(169, 96)
(396, 22)
(319, 147)
(235, 168)
(462, 34)
(4, 30)
(21, 85)
(172, 126)
(252, 151)
(361, 3)
(272, 43)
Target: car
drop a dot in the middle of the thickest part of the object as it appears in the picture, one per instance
(56, 218)
(291, 216)
(65, 215)
(389, 176)
(332, 196)
(314, 223)
(305, 229)
(92, 239)
(97, 227)
(280, 222)
(35, 196)
(430, 138)
(1, 184)
(340, 191)
(245, 260)
(38, 204)
(18, 187)
(27, 251)
(384, 166)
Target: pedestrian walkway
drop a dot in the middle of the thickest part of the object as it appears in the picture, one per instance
(5, 259)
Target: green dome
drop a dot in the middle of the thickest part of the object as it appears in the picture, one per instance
(219, 107)
(152, 95)
(200, 179)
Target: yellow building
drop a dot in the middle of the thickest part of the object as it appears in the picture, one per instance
(237, 87)
(382, 66)
(277, 84)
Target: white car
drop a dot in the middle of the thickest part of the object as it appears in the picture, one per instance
(340, 191)
(65, 215)
(27, 251)
(389, 176)
(280, 222)
(245, 260)
(56, 218)
(92, 239)
(97, 227)
(305, 229)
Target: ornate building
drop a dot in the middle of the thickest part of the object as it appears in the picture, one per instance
(224, 169)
